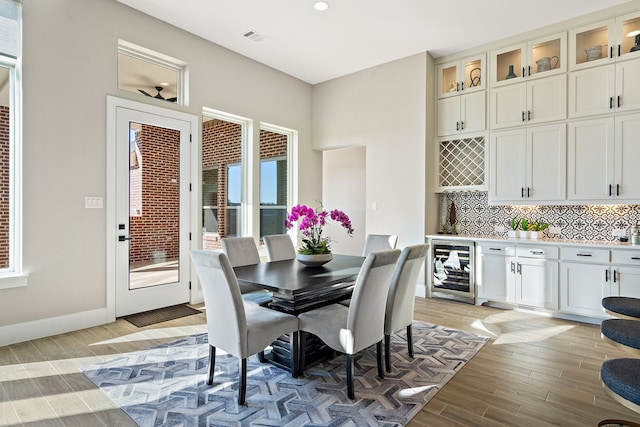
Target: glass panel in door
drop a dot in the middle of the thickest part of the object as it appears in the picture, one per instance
(154, 205)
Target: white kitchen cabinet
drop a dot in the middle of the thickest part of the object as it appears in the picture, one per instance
(462, 114)
(528, 165)
(537, 58)
(532, 276)
(601, 159)
(461, 77)
(528, 103)
(585, 278)
(625, 273)
(491, 274)
(611, 88)
(603, 42)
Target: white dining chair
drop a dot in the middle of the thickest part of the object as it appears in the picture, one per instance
(243, 251)
(402, 296)
(279, 247)
(360, 325)
(379, 242)
(232, 326)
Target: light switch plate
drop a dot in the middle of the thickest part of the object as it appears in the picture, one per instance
(92, 202)
(619, 232)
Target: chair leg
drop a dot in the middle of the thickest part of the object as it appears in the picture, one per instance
(242, 389)
(350, 393)
(261, 357)
(295, 359)
(301, 345)
(387, 352)
(410, 341)
(379, 358)
(212, 364)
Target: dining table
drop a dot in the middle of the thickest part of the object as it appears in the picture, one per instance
(297, 288)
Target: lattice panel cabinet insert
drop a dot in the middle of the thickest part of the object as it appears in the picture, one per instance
(462, 164)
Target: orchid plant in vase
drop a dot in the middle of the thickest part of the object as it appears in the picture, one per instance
(311, 223)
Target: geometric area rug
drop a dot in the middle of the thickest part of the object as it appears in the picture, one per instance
(166, 385)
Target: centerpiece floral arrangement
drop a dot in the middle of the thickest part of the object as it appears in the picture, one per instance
(311, 223)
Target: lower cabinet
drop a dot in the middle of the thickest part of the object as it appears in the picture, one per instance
(491, 277)
(532, 277)
(626, 273)
(585, 279)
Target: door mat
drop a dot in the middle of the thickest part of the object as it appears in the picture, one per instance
(160, 315)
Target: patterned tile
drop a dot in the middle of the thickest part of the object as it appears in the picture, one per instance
(581, 222)
(166, 385)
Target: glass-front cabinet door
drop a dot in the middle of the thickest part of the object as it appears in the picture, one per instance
(460, 77)
(605, 41)
(542, 57)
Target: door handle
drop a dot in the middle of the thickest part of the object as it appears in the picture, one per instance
(513, 267)
(519, 268)
(123, 238)
(461, 125)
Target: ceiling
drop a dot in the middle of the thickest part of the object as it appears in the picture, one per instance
(353, 35)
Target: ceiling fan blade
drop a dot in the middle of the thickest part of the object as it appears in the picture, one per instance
(143, 92)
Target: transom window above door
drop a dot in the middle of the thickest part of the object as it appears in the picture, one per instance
(151, 74)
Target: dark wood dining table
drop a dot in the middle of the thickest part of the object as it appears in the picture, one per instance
(296, 289)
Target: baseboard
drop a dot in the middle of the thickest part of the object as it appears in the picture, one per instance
(20, 332)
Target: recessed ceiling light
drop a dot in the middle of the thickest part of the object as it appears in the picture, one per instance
(321, 5)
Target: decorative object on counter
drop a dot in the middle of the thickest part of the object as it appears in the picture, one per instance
(315, 250)
(511, 73)
(452, 218)
(513, 228)
(545, 63)
(475, 79)
(634, 234)
(593, 52)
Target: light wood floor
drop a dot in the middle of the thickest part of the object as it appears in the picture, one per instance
(535, 371)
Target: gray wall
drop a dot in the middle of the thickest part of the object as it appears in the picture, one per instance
(69, 67)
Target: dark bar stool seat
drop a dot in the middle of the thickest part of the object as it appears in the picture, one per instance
(623, 333)
(622, 307)
(621, 380)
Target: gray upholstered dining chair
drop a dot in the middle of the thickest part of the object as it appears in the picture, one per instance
(243, 251)
(239, 329)
(379, 242)
(279, 247)
(352, 329)
(401, 298)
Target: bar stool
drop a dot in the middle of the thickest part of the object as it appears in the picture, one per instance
(622, 307)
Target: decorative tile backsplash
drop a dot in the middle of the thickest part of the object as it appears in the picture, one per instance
(474, 216)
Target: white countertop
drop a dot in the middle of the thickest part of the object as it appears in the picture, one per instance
(613, 244)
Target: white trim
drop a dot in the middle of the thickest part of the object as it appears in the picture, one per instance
(13, 281)
(26, 331)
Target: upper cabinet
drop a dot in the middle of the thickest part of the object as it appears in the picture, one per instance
(541, 57)
(605, 41)
(463, 76)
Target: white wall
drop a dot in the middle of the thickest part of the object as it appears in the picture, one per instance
(384, 109)
(345, 169)
(70, 54)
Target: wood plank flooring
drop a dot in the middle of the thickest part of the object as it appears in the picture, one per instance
(535, 371)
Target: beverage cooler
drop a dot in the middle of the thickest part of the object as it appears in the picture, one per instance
(453, 270)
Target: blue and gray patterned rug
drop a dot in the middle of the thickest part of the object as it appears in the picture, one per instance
(166, 385)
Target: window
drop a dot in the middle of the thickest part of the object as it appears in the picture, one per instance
(10, 145)
(274, 179)
(233, 218)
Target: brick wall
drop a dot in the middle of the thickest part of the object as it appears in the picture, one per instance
(221, 145)
(155, 232)
(4, 186)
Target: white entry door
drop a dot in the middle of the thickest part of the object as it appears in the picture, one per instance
(151, 207)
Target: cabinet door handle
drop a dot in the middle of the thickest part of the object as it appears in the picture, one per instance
(528, 114)
(609, 190)
(522, 192)
(617, 189)
(519, 268)
(619, 47)
(458, 128)
(462, 86)
(615, 276)
(498, 249)
(523, 75)
(457, 87)
(606, 275)
(513, 267)
(635, 257)
(611, 52)
(462, 125)
(523, 116)
(529, 70)
(579, 254)
(536, 252)
(618, 101)
(611, 102)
